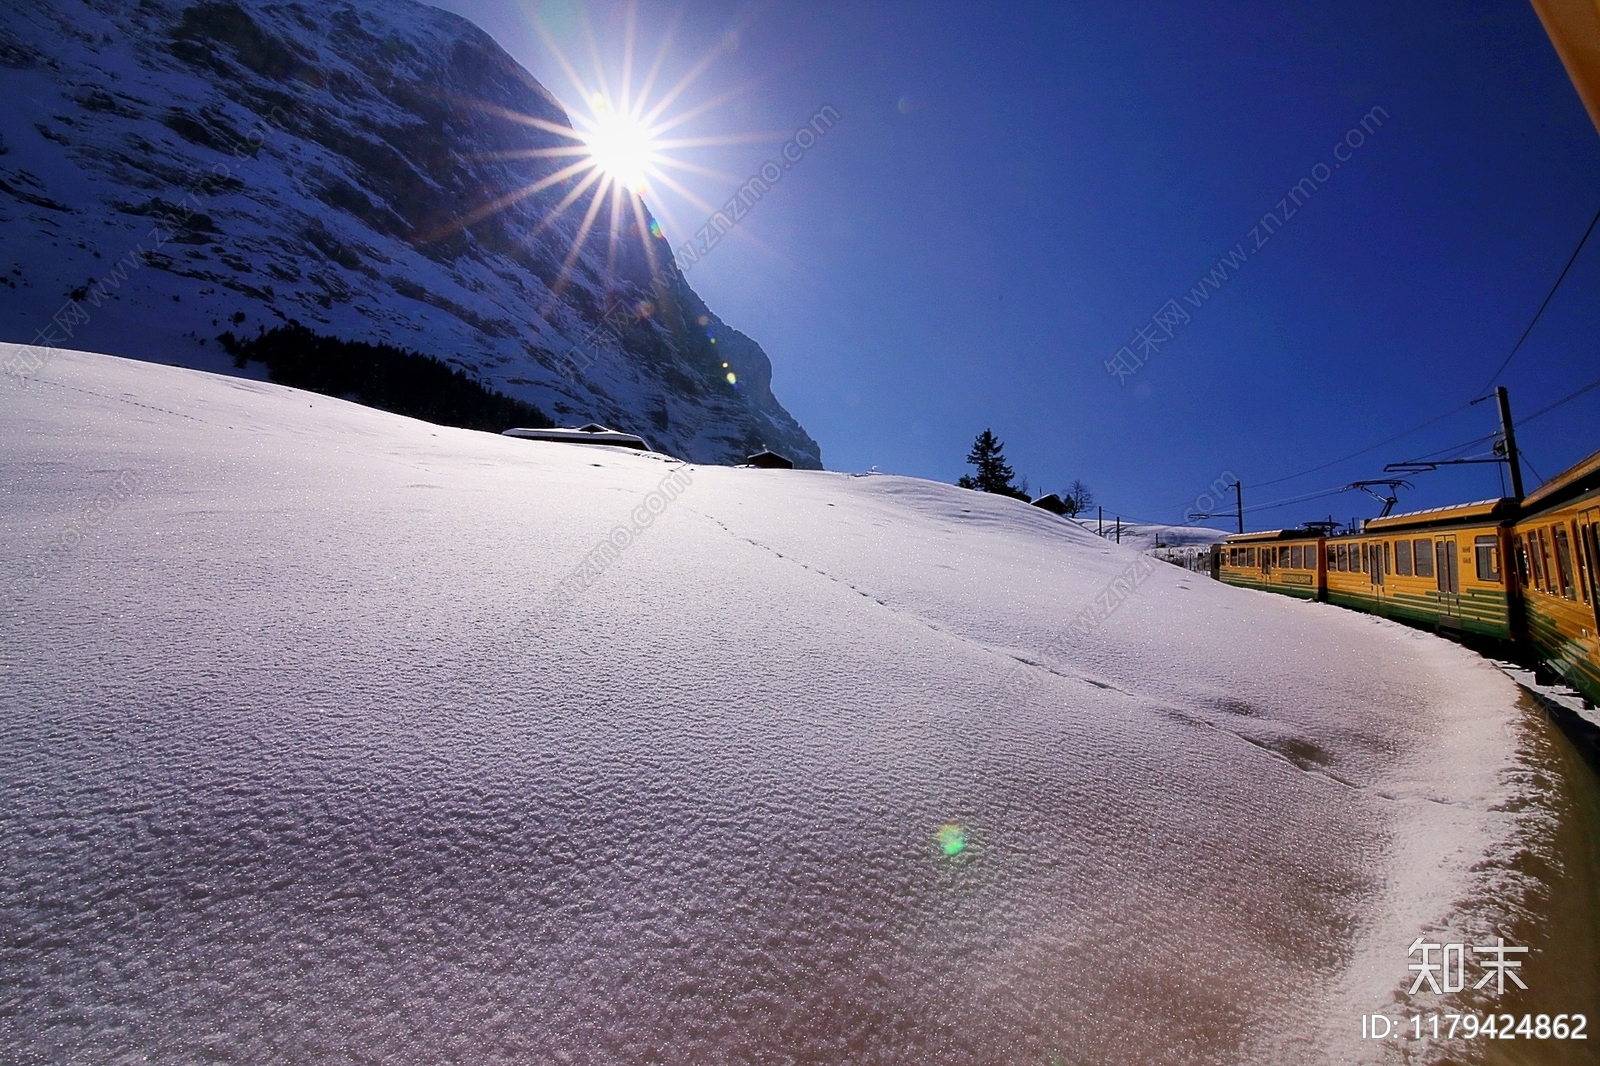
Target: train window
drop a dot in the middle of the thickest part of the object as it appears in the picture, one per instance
(1422, 552)
(1249, 557)
(1589, 541)
(1519, 548)
(1402, 557)
(1344, 557)
(1583, 564)
(1564, 563)
(1387, 569)
(1541, 561)
(1295, 558)
(1487, 550)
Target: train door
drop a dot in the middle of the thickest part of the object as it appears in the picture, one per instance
(1447, 579)
(1375, 568)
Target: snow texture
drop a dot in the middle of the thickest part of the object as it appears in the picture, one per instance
(171, 170)
(332, 736)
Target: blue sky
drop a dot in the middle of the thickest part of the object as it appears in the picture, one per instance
(1013, 190)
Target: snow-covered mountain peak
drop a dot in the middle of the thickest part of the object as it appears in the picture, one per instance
(171, 170)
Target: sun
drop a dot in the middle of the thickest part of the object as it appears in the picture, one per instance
(620, 146)
(619, 149)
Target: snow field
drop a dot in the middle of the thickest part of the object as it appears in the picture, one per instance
(308, 758)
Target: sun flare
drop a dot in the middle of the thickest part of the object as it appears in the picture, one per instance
(620, 146)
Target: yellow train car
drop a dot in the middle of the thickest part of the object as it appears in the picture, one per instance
(1287, 561)
(1442, 567)
(1526, 573)
(1557, 552)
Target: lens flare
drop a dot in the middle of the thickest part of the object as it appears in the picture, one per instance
(952, 839)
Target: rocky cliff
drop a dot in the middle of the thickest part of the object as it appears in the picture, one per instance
(169, 171)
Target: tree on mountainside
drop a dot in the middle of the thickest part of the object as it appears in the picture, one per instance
(991, 472)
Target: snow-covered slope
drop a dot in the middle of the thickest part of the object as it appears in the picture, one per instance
(332, 736)
(1147, 536)
(171, 170)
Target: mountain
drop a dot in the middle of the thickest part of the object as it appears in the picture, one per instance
(171, 171)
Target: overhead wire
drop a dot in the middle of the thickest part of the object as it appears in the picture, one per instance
(1548, 297)
(1364, 451)
(1455, 448)
(1595, 384)
(1590, 387)
(1297, 499)
(1565, 270)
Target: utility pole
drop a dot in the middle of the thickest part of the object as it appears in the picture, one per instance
(1238, 496)
(1100, 522)
(1119, 529)
(1510, 437)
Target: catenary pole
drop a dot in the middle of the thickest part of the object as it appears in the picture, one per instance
(1504, 400)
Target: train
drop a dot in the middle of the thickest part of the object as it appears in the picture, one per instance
(1519, 574)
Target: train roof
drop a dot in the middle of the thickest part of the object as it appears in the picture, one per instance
(1567, 485)
(1454, 514)
(1270, 534)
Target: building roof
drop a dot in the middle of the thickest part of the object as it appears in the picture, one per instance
(767, 459)
(593, 433)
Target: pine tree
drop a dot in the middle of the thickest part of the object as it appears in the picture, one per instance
(993, 474)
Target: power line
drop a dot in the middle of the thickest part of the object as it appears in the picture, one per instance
(1548, 297)
(1595, 384)
(1463, 446)
(1363, 451)
(1573, 258)
(1296, 499)
(1590, 387)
